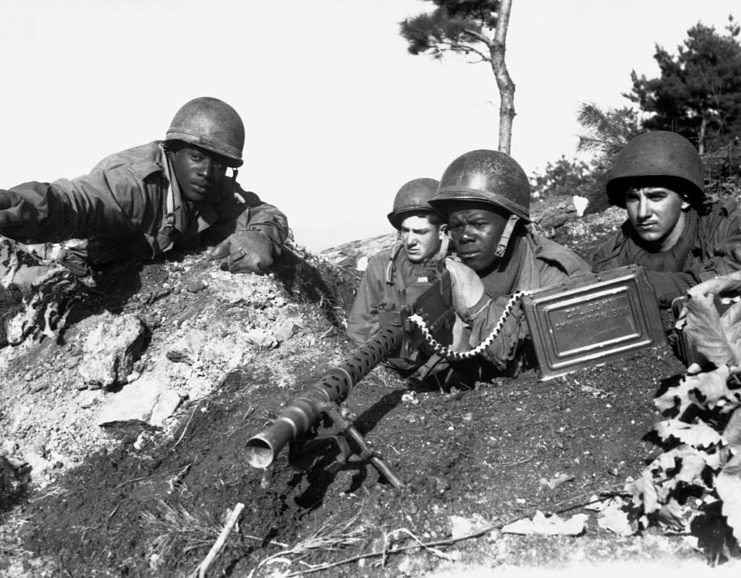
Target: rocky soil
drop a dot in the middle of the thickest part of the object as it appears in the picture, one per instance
(123, 442)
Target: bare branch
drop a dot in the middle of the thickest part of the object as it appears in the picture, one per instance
(478, 36)
(465, 49)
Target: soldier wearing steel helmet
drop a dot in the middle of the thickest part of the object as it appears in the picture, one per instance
(673, 229)
(144, 201)
(421, 238)
(485, 197)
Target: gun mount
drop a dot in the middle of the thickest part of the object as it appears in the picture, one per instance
(319, 402)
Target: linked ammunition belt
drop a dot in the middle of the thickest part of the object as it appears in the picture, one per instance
(448, 353)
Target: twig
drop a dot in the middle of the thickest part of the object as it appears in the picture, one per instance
(113, 512)
(140, 478)
(517, 463)
(186, 425)
(447, 541)
(220, 541)
(269, 542)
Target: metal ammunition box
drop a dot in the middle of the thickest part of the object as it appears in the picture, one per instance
(591, 319)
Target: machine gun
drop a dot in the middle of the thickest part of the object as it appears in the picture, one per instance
(317, 413)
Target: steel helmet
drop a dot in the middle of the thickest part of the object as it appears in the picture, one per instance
(659, 155)
(211, 124)
(412, 198)
(485, 176)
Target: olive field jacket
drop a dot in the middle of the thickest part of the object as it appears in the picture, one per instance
(127, 204)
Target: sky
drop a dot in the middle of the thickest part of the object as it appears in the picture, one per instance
(338, 114)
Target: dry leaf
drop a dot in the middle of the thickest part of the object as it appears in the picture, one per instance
(615, 519)
(548, 525)
(644, 492)
(556, 480)
(704, 389)
(676, 517)
(697, 435)
(711, 390)
(461, 526)
(716, 339)
(728, 485)
(732, 431)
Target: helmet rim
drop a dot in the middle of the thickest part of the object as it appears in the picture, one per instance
(211, 124)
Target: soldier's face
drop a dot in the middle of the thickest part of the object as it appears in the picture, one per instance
(198, 172)
(657, 215)
(421, 238)
(475, 234)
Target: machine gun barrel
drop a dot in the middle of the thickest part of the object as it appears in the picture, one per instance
(298, 418)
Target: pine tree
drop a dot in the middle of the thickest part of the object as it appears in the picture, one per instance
(475, 28)
(698, 93)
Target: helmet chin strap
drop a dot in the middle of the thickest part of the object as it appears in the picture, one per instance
(394, 252)
(506, 234)
(444, 243)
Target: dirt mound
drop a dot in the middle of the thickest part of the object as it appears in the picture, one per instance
(474, 458)
(144, 497)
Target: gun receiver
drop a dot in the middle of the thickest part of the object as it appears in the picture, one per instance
(300, 420)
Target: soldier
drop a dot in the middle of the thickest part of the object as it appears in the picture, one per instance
(485, 197)
(673, 229)
(142, 202)
(421, 239)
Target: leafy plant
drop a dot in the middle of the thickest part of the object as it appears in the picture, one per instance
(694, 486)
(564, 177)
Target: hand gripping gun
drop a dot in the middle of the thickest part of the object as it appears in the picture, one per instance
(317, 412)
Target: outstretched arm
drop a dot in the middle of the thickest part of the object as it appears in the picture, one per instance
(37, 212)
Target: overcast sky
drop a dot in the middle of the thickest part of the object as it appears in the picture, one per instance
(338, 114)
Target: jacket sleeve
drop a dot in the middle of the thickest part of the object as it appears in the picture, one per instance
(362, 321)
(37, 212)
(607, 255)
(669, 286)
(484, 317)
(244, 211)
(723, 245)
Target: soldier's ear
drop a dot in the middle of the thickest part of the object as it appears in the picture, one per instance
(443, 232)
(685, 201)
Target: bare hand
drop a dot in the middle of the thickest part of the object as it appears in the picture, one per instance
(467, 286)
(244, 252)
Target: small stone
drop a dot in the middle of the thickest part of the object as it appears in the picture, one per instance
(40, 385)
(195, 285)
(8, 447)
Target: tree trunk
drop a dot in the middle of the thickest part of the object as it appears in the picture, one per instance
(701, 137)
(498, 49)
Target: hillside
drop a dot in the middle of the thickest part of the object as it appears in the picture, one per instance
(122, 456)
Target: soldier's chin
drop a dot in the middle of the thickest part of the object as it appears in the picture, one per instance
(651, 236)
(477, 262)
(415, 257)
(193, 196)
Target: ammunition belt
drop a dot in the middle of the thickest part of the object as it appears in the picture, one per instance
(448, 353)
